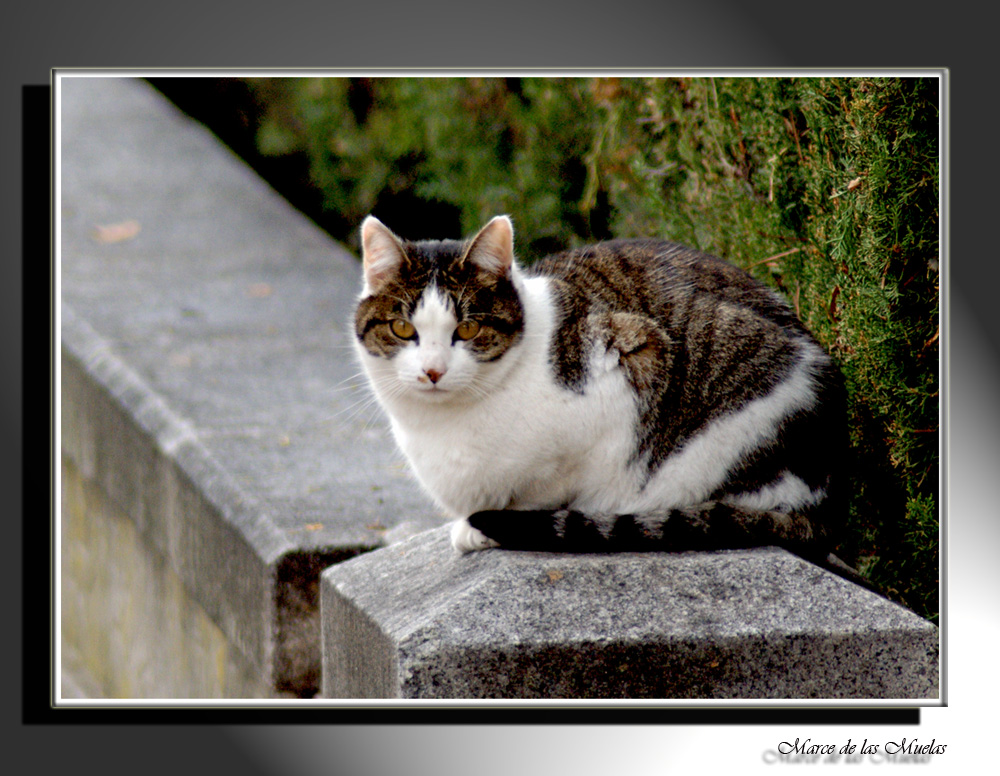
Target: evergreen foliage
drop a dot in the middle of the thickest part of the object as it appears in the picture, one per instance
(826, 188)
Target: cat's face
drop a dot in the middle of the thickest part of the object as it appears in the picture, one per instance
(436, 319)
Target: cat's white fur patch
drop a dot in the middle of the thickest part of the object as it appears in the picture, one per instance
(434, 320)
(465, 538)
(785, 494)
(691, 474)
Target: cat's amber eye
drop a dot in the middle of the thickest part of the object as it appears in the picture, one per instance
(403, 329)
(467, 330)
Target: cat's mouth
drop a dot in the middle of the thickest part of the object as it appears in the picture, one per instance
(428, 388)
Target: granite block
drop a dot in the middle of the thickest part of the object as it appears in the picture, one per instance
(417, 620)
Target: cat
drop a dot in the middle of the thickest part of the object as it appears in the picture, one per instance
(631, 395)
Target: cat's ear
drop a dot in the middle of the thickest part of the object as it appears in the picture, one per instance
(492, 249)
(381, 254)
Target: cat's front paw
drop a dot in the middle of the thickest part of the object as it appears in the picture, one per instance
(465, 538)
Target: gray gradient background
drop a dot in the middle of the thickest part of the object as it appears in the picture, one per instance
(587, 33)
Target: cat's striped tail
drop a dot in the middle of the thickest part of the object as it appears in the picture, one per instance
(712, 525)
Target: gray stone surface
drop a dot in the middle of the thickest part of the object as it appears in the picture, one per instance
(208, 384)
(417, 620)
(231, 306)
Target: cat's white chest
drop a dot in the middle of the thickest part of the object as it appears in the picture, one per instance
(540, 446)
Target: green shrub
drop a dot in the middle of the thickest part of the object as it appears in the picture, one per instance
(826, 188)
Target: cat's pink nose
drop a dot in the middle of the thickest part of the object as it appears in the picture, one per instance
(434, 374)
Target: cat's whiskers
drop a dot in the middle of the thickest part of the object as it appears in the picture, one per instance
(344, 347)
(349, 413)
(359, 376)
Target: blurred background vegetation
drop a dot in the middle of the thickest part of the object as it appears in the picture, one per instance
(825, 188)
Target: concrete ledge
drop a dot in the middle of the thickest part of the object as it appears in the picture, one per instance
(217, 453)
(416, 620)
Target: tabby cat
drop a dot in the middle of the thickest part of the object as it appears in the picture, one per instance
(630, 395)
